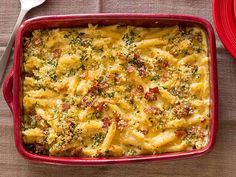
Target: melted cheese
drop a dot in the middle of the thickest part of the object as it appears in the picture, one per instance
(115, 91)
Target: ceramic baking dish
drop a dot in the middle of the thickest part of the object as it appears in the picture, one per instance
(12, 83)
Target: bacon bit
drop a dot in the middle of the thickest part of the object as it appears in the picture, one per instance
(180, 133)
(152, 54)
(30, 147)
(32, 112)
(99, 153)
(97, 86)
(65, 106)
(130, 69)
(103, 85)
(76, 152)
(196, 131)
(182, 110)
(154, 90)
(174, 50)
(136, 56)
(94, 64)
(122, 57)
(161, 63)
(165, 63)
(70, 122)
(201, 134)
(72, 125)
(94, 88)
(112, 76)
(203, 121)
(116, 118)
(121, 124)
(26, 44)
(106, 122)
(37, 42)
(56, 53)
(145, 132)
(152, 110)
(39, 148)
(100, 106)
(140, 64)
(142, 71)
(37, 117)
(63, 89)
(150, 96)
(140, 89)
(192, 130)
(84, 75)
(45, 130)
(165, 77)
(86, 101)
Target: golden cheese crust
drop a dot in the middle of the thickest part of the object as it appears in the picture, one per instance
(115, 91)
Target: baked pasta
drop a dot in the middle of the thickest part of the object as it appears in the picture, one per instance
(115, 91)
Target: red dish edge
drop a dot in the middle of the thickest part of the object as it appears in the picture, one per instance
(69, 19)
(224, 15)
(234, 9)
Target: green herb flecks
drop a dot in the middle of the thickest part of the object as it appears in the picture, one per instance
(129, 38)
(155, 78)
(98, 139)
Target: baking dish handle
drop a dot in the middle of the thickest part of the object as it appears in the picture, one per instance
(7, 89)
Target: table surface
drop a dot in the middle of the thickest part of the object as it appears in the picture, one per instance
(221, 162)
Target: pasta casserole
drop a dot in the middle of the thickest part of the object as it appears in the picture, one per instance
(115, 91)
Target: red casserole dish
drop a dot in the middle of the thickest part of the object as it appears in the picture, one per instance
(224, 14)
(12, 83)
